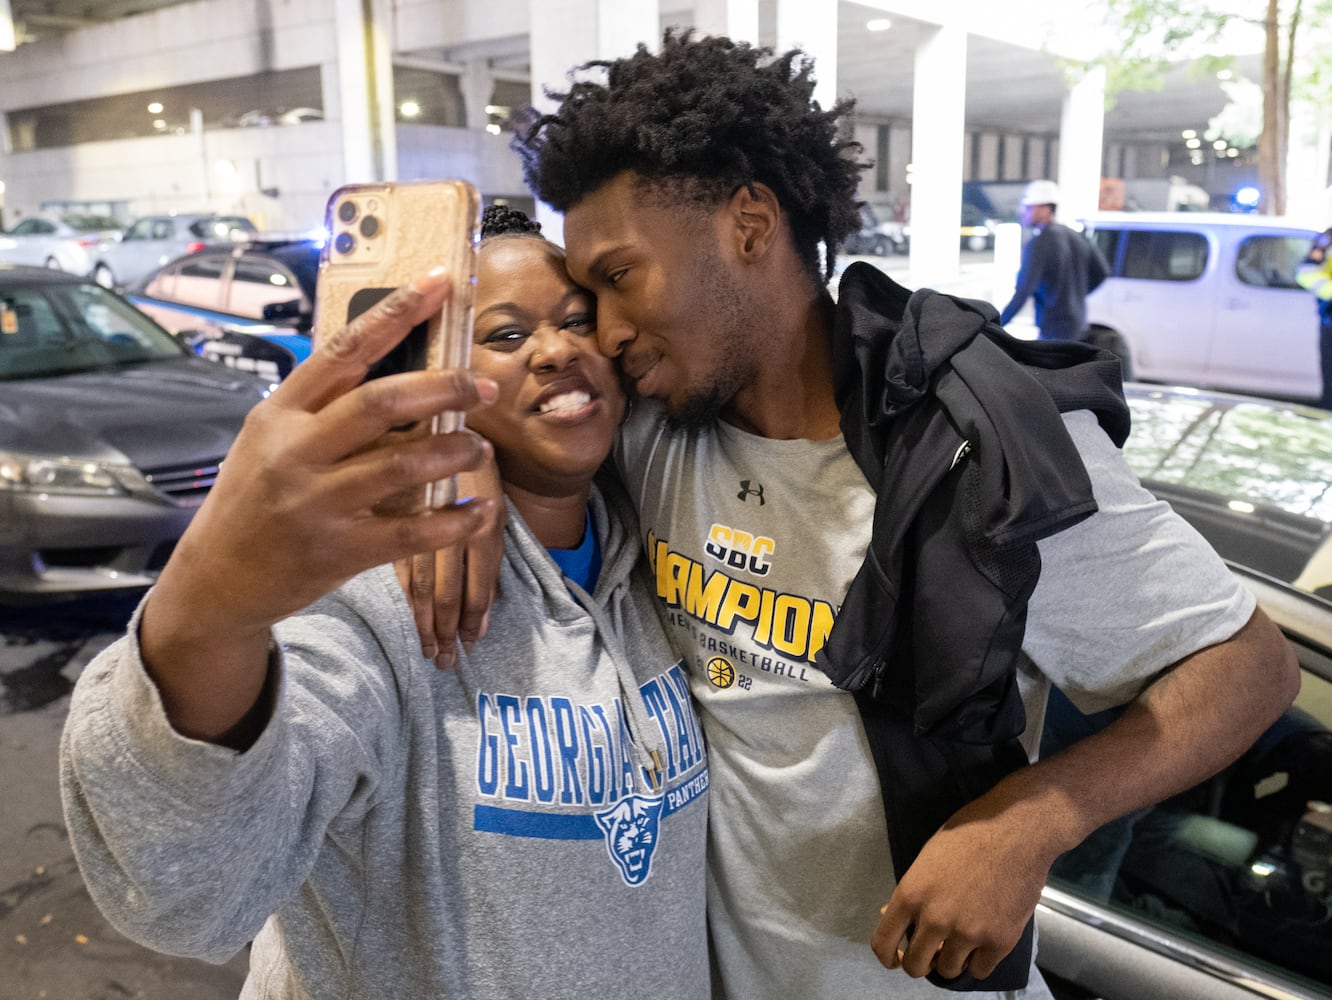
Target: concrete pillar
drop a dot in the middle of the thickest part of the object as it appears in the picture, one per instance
(365, 91)
(1080, 137)
(568, 33)
(938, 115)
(736, 19)
(477, 85)
(7, 35)
(1306, 167)
(811, 26)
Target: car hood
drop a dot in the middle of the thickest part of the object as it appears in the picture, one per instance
(156, 414)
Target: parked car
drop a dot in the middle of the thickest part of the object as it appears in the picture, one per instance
(66, 243)
(1207, 299)
(1223, 892)
(976, 231)
(249, 305)
(111, 434)
(155, 239)
(875, 237)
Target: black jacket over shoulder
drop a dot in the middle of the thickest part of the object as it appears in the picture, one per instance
(957, 427)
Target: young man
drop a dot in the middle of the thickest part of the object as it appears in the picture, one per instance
(782, 437)
(1059, 269)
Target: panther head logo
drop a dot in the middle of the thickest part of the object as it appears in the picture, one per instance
(630, 827)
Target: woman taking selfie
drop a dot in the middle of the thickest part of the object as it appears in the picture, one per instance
(267, 756)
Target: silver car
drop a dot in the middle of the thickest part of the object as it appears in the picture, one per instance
(1223, 892)
(67, 243)
(155, 239)
(111, 434)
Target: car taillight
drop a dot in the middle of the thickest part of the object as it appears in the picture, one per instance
(194, 247)
(88, 242)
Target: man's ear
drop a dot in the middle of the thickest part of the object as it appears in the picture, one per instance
(756, 217)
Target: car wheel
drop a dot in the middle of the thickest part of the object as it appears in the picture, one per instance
(53, 264)
(103, 276)
(880, 247)
(1115, 343)
(976, 243)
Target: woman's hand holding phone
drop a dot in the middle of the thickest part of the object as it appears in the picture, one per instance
(293, 513)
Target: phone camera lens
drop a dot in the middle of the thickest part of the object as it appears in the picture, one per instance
(369, 226)
(344, 243)
(347, 211)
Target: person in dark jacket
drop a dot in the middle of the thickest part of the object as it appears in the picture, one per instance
(1060, 267)
(858, 542)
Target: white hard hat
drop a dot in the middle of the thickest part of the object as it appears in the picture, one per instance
(1041, 193)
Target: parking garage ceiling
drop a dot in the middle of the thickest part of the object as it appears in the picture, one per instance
(1008, 86)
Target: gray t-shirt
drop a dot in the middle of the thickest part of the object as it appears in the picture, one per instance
(754, 543)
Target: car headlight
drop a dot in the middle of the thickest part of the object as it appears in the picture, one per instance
(45, 474)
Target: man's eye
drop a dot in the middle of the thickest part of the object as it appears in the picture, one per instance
(578, 321)
(614, 277)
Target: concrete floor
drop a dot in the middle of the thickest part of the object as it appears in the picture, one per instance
(54, 945)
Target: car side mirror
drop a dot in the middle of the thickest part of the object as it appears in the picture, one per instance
(283, 310)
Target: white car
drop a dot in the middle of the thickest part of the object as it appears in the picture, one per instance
(155, 239)
(66, 243)
(1207, 299)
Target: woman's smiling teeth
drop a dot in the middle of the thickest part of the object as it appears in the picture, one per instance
(566, 402)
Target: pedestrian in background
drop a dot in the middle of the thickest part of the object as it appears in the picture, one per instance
(1315, 274)
(1059, 268)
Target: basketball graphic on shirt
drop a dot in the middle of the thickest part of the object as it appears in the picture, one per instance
(721, 672)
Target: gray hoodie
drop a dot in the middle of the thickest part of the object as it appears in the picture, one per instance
(398, 831)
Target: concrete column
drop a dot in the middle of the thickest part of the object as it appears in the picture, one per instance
(7, 35)
(568, 33)
(365, 91)
(1307, 192)
(938, 116)
(1080, 137)
(736, 19)
(811, 26)
(477, 85)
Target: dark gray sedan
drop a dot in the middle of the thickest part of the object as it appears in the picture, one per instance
(111, 433)
(1225, 891)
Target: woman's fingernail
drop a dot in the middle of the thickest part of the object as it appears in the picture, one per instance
(431, 280)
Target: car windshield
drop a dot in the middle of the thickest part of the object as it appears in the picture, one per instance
(56, 329)
(91, 223)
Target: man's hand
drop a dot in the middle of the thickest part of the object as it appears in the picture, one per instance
(451, 590)
(292, 515)
(963, 903)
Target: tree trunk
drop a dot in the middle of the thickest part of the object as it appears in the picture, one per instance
(1269, 142)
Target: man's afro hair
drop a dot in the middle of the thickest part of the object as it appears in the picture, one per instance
(712, 113)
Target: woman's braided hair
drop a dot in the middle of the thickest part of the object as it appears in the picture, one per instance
(502, 220)
(698, 121)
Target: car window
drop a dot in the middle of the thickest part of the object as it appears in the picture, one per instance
(258, 282)
(33, 227)
(57, 329)
(1240, 863)
(221, 227)
(1270, 261)
(141, 230)
(163, 229)
(1107, 241)
(90, 223)
(1164, 256)
(203, 267)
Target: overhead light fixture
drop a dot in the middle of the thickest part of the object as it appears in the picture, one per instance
(159, 124)
(1189, 133)
(493, 129)
(879, 24)
(155, 108)
(1220, 144)
(1232, 152)
(1224, 74)
(409, 109)
(1193, 143)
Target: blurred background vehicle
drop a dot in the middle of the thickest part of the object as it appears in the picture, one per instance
(111, 434)
(153, 240)
(1224, 891)
(1207, 299)
(875, 237)
(249, 305)
(67, 242)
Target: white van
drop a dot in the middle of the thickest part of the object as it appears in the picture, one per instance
(1207, 299)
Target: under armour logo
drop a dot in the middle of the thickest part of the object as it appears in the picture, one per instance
(746, 492)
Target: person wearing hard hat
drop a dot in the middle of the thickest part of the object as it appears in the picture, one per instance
(1059, 268)
(1315, 274)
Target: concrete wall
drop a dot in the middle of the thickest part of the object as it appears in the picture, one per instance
(279, 175)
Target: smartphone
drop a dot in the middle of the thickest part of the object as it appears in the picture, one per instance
(380, 237)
